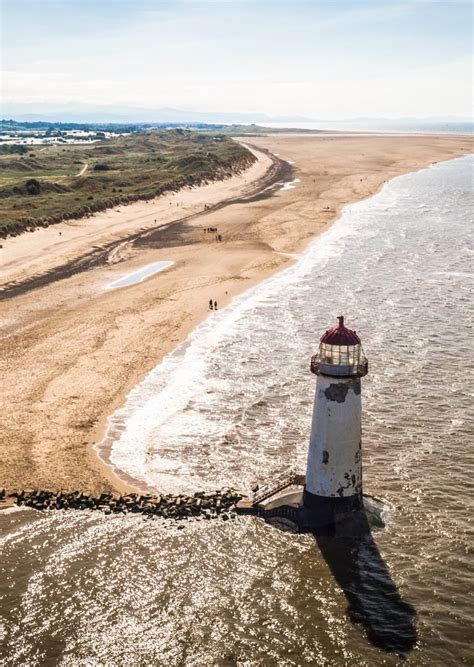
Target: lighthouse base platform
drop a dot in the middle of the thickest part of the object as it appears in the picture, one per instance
(288, 508)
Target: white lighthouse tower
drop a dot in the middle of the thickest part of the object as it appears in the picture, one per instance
(334, 469)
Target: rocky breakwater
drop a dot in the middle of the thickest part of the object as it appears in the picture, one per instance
(201, 505)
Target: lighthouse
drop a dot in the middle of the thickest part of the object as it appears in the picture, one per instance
(333, 485)
(331, 491)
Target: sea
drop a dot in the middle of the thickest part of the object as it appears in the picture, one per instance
(386, 126)
(231, 407)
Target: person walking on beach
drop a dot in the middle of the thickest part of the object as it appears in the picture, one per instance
(210, 304)
(215, 305)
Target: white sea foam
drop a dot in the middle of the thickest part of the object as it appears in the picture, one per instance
(13, 509)
(161, 403)
(216, 411)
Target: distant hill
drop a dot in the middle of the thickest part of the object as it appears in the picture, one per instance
(86, 115)
(82, 114)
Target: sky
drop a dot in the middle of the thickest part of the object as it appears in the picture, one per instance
(313, 58)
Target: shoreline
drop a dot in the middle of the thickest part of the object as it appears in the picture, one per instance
(101, 450)
(72, 395)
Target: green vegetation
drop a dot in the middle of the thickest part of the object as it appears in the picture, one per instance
(46, 184)
(63, 131)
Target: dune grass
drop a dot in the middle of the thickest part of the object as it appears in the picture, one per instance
(42, 186)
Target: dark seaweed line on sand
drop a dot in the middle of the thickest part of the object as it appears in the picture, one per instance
(279, 171)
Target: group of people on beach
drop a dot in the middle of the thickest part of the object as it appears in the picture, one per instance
(212, 305)
(213, 230)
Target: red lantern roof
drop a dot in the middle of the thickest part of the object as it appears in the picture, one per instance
(340, 335)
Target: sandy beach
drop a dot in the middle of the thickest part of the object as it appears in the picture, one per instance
(72, 348)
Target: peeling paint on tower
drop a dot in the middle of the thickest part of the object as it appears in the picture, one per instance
(334, 468)
(337, 392)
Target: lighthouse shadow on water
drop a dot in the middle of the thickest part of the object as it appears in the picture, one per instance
(374, 601)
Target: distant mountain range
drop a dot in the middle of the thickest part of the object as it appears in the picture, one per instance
(73, 113)
(82, 114)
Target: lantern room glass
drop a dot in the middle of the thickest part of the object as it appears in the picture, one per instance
(340, 355)
(340, 360)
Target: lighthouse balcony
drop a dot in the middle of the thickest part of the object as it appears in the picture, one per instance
(320, 365)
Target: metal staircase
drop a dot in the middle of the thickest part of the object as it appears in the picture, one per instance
(278, 484)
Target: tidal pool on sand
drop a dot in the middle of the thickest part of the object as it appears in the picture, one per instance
(139, 275)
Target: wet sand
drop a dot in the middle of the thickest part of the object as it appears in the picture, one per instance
(72, 350)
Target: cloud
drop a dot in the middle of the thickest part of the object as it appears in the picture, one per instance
(195, 55)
